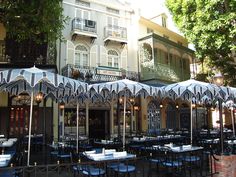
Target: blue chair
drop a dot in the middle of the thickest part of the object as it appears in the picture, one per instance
(155, 157)
(93, 171)
(172, 161)
(124, 169)
(193, 161)
(77, 169)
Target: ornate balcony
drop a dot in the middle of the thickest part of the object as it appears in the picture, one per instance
(115, 34)
(97, 74)
(84, 27)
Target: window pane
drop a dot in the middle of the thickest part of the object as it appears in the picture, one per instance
(85, 59)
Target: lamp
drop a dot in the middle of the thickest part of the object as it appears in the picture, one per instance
(62, 106)
(161, 105)
(38, 98)
(23, 99)
(132, 101)
(177, 106)
(218, 79)
(194, 105)
(136, 107)
(121, 100)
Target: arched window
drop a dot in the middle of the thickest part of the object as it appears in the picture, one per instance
(81, 55)
(154, 117)
(113, 59)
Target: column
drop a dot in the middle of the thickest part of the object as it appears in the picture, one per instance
(87, 118)
(112, 119)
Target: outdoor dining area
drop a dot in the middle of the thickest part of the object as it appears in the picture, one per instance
(192, 151)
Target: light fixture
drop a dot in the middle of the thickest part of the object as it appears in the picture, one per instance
(194, 105)
(218, 79)
(161, 105)
(212, 109)
(23, 99)
(62, 106)
(177, 106)
(132, 101)
(38, 98)
(136, 107)
(121, 100)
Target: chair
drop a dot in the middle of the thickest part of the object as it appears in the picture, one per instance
(93, 170)
(172, 161)
(64, 155)
(193, 161)
(77, 169)
(154, 157)
(124, 169)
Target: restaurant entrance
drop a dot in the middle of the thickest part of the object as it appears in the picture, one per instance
(98, 124)
(19, 120)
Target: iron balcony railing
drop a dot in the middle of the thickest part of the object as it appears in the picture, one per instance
(84, 25)
(115, 32)
(87, 73)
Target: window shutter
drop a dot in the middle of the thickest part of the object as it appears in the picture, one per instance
(103, 56)
(70, 53)
(124, 59)
(93, 56)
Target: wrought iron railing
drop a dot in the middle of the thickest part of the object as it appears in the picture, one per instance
(84, 25)
(115, 32)
(165, 72)
(69, 169)
(89, 74)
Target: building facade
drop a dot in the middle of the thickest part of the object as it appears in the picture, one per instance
(98, 47)
(164, 58)
(108, 41)
(14, 110)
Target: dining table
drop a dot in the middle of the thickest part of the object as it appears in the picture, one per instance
(108, 155)
(5, 160)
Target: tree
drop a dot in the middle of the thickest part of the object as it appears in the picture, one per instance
(211, 26)
(38, 20)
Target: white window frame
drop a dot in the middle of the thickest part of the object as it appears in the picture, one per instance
(81, 54)
(82, 13)
(113, 59)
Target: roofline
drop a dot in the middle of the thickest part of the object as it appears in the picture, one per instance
(156, 36)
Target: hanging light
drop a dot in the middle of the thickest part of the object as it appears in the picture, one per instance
(62, 106)
(38, 98)
(194, 105)
(132, 101)
(23, 99)
(121, 100)
(218, 79)
(136, 107)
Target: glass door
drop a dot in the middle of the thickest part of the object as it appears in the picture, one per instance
(19, 121)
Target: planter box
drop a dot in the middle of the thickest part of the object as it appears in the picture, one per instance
(226, 166)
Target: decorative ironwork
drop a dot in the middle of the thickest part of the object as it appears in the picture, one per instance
(84, 25)
(115, 32)
(86, 73)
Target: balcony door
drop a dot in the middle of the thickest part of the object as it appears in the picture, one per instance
(113, 26)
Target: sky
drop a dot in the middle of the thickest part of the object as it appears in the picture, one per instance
(151, 8)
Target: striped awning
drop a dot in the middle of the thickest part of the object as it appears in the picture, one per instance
(196, 90)
(16, 81)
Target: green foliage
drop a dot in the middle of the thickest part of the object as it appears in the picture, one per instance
(37, 20)
(211, 26)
